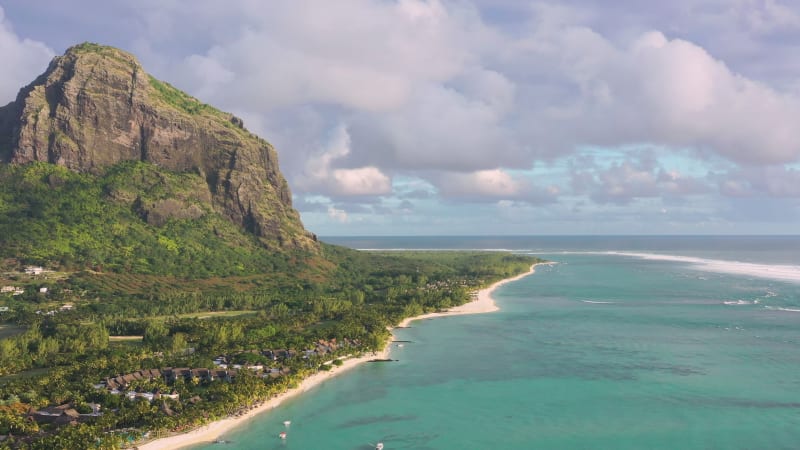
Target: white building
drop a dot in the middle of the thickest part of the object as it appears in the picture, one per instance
(34, 270)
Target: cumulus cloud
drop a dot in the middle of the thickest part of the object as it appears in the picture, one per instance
(320, 173)
(634, 178)
(361, 181)
(765, 16)
(491, 186)
(660, 90)
(695, 99)
(491, 183)
(772, 181)
(23, 59)
(440, 128)
(337, 215)
(363, 54)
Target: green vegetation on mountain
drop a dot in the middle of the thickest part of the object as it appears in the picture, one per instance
(181, 100)
(135, 218)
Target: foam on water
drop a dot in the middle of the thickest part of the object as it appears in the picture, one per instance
(595, 302)
(738, 302)
(778, 308)
(780, 272)
(441, 249)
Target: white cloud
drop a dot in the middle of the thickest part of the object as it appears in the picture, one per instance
(765, 16)
(337, 215)
(444, 128)
(361, 54)
(657, 90)
(494, 185)
(690, 98)
(215, 75)
(772, 181)
(633, 178)
(483, 183)
(361, 181)
(23, 59)
(320, 174)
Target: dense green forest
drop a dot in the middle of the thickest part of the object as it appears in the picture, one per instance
(120, 323)
(135, 218)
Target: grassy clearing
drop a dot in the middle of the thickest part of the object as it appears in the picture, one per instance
(10, 330)
(26, 374)
(207, 314)
(125, 338)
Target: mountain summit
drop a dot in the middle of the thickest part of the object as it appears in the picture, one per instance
(95, 108)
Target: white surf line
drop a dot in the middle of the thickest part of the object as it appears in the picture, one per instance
(781, 272)
(778, 308)
(444, 249)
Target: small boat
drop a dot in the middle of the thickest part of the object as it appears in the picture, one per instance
(379, 446)
(287, 422)
(282, 435)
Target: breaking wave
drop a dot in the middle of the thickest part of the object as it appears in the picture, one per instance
(771, 271)
(778, 308)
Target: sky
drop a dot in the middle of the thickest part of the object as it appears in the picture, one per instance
(480, 117)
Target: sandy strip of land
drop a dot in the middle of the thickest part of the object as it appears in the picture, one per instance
(483, 303)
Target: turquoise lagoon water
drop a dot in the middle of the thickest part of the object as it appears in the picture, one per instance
(630, 350)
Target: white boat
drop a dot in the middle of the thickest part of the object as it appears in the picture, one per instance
(287, 422)
(282, 435)
(379, 446)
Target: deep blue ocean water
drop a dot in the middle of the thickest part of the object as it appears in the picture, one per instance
(626, 343)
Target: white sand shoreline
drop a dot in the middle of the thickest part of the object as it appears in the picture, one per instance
(484, 303)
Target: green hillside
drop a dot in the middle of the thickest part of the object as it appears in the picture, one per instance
(135, 218)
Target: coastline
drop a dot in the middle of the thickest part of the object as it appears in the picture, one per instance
(484, 303)
(212, 431)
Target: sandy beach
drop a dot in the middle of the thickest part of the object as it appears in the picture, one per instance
(214, 430)
(483, 303)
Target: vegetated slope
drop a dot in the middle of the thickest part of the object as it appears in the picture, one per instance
(105, 166)
(135, 218)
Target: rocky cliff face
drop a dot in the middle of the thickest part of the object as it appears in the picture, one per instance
(95, 106)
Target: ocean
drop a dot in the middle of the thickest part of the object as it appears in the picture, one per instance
(625, 343)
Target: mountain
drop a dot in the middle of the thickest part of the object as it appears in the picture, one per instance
(141, 155)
